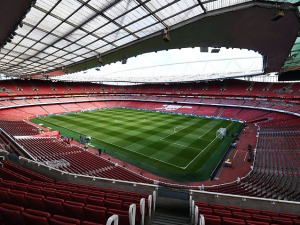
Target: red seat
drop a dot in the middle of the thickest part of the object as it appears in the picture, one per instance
(49, 192)
(212, 220)
(11, 215)
(268, 213)
(54, 207)
(261, 218)
(4, 197)
(35, 202)
(35, 189)
(95, 214)
(79, 198)
(215, 206)
(17, 199)
(112, 195)
(66, 195)
(74, 210)
(99, 201)
(233, 208)
(113, 204)
(123, 216)
(251, 222)
(251, 211)
(288, 215)
(222, 213)
(97, 194)
(280, 220)
(240, 215)
(232, 221)
(205, 211)
(21, 187)
(296, 222)
(32, 219)
(91, 223)
(62, 220)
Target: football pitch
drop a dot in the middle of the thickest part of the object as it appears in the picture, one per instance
(181, 148)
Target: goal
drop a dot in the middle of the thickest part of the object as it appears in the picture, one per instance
(221, 133)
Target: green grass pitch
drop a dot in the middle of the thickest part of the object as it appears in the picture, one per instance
(181, 148)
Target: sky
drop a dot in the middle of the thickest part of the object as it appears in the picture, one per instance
(185, 63)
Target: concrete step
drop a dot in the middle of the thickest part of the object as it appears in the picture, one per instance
(167, 219)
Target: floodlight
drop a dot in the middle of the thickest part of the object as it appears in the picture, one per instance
(278, 15)
(166, 35)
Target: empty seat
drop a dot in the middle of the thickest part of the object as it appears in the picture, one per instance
(98, 201)
(17, 199)
(123, 216)
(74, 210)
(79, 198)
(261, 218)
(222, 213)
(241, 215)
(288, 215)
(63, 220)
(4, 197)
(268, 213)
(250, 222)
(91, 223)
(216, 206)
(95, 214)
(212, 220)
(113, 204)
(49, 192)
(11, 215)
(251, 211)
(280, 220)
(66, 195)
(232, 221)
(35, 189)
(205, 211)
(34, 202)
(30, 219)
(233, 208)
(54, 207)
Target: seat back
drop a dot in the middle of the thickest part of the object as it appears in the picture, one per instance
(32, 219)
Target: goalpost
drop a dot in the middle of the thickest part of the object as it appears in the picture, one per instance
(221, 133)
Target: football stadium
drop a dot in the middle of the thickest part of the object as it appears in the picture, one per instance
(141, 112)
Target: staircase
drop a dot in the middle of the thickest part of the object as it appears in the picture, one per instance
(168, 217)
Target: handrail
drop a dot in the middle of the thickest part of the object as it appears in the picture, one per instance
(132, 213)
(142, 209)
(196, 220)
(113, 218)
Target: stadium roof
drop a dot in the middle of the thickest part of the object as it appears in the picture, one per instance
(68, 36)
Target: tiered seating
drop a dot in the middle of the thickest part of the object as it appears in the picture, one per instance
(34, 110)
(275, 89)
(7, 103)
(61, 88)
(232, 102)
(188, 109)
(230, 112)
(87, 87)
(258, 88)
(49, 100)
(54, 109)
(217, 214)
(76, 87)
(206, 110)
(250, 114)
(19, 102)
(25, 86)
(66, 99)
(34, 199)
(74, 159)
(14, 114)
(236, 87)
(251, 103)
(87, 105)
(10, 88)
(193, 100)
(18, 128)
(32, 101)
(72, 107)
(112, 104)
(101, 105)
(43, 87)
(214, 88)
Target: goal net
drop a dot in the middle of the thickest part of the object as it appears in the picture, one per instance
(221, 133)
